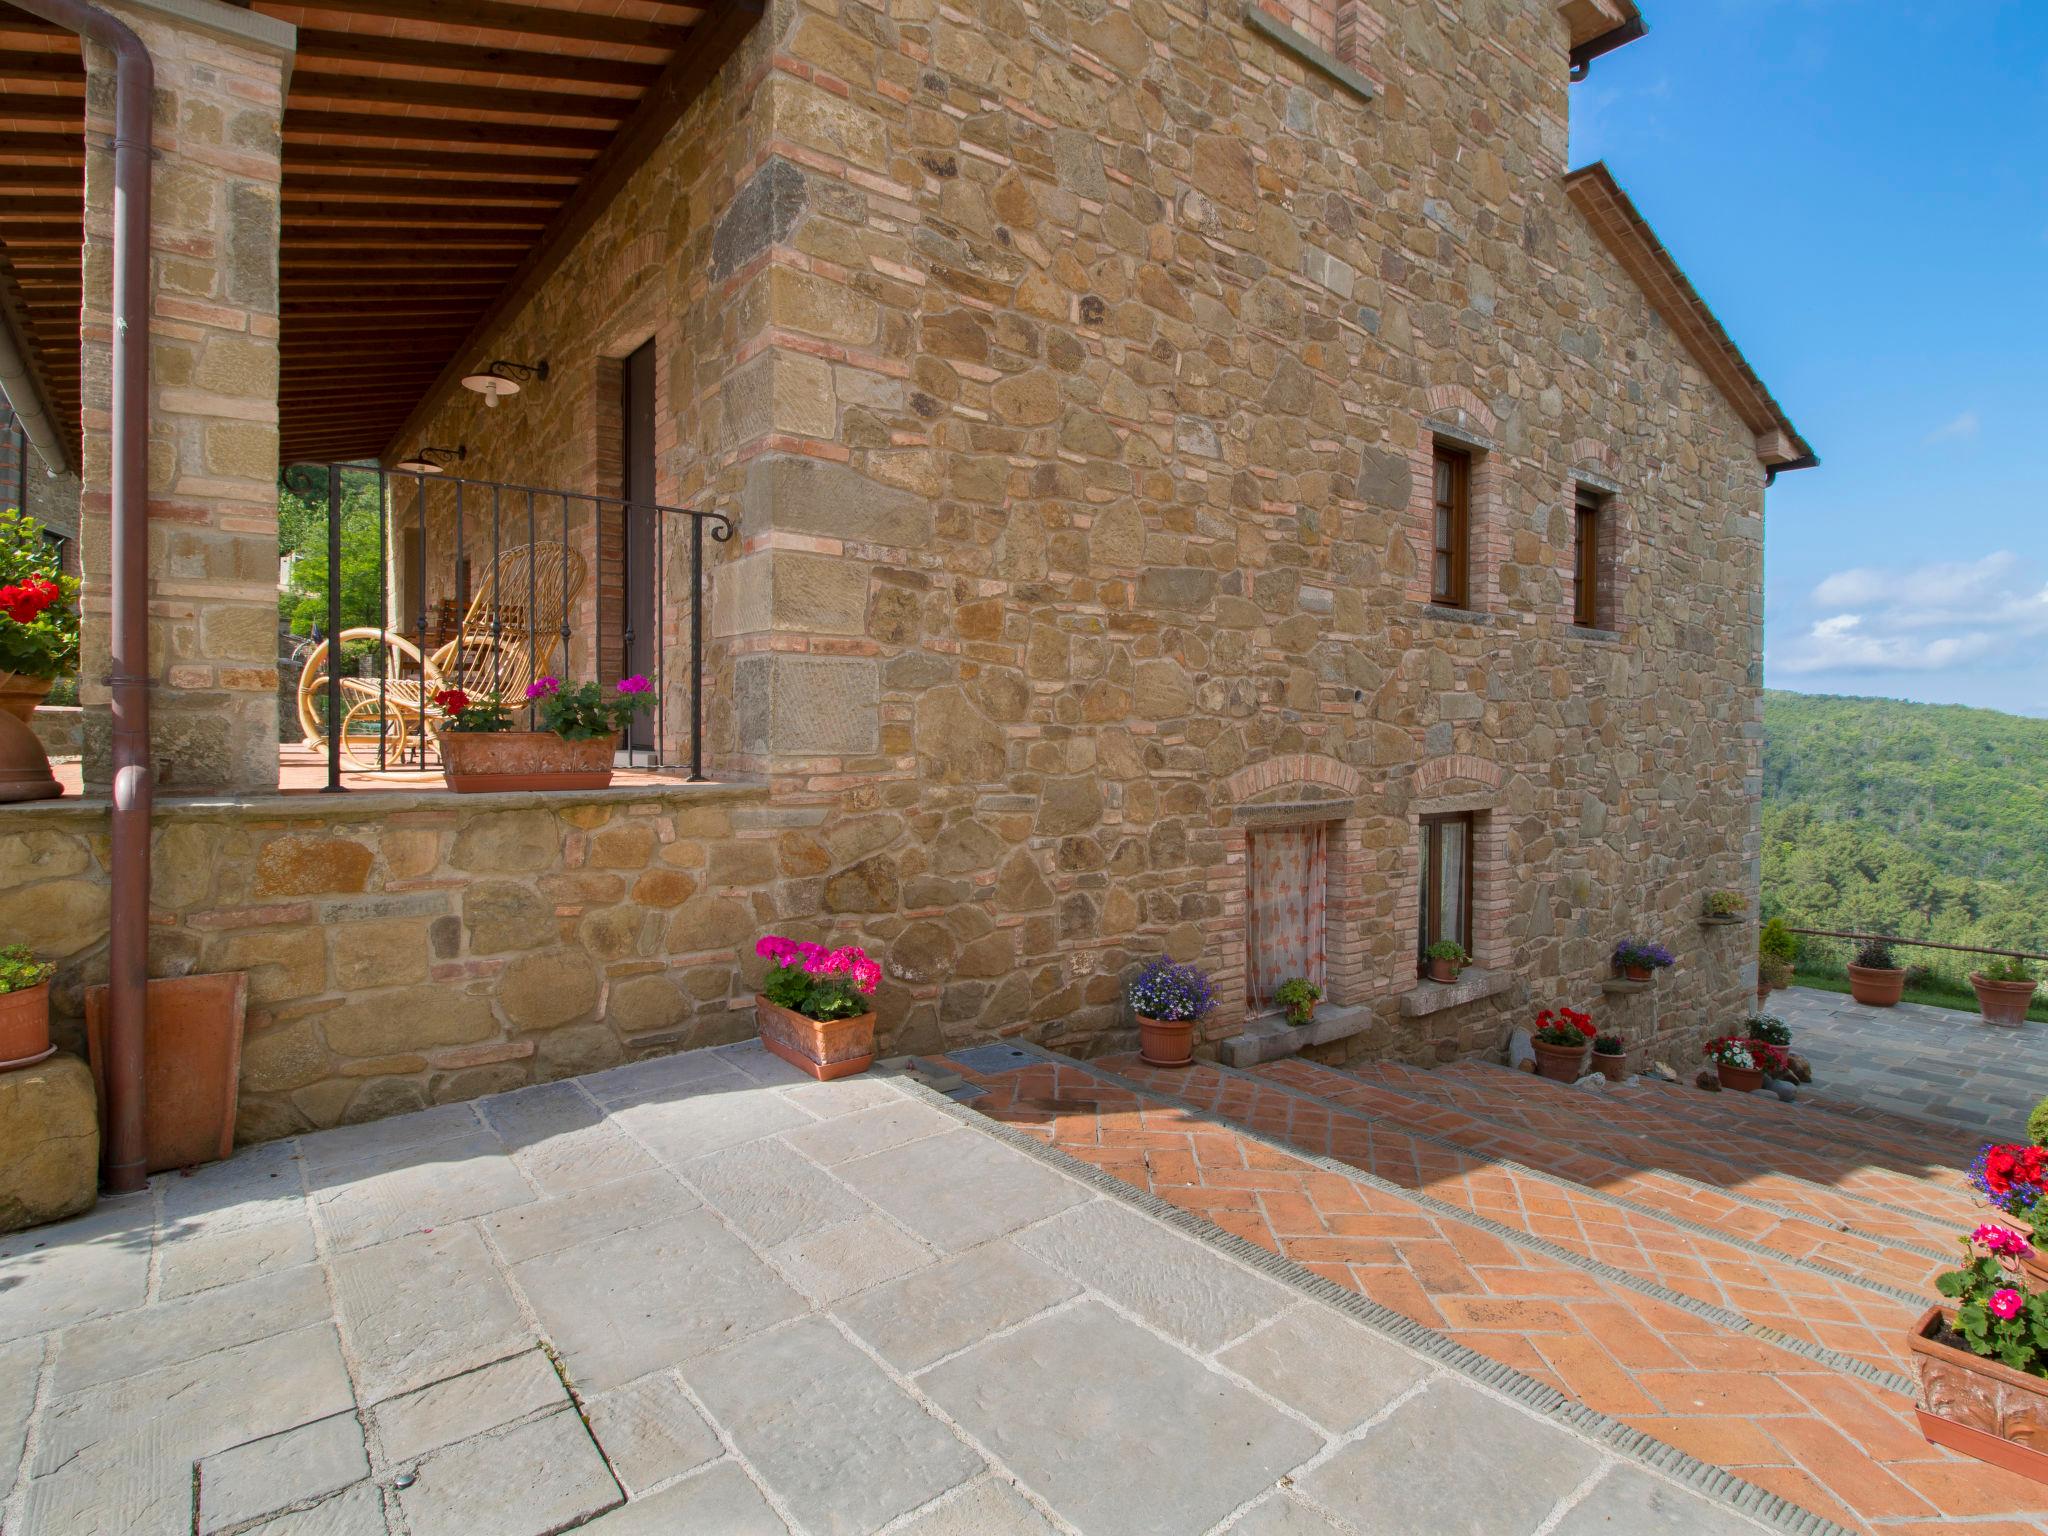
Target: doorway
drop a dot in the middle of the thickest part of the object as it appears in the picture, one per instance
(636, 459)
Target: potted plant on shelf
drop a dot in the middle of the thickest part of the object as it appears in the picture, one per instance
(1875, 978)
(1299, 996)
(1640, 959)
(1560, 1040)
(2012, 1178)
(2005, 991)
(24, 1008)
(1983, 1361)
(1725, 907)
(38, 643)
(813, 1009)
(1610, 1055)
(1446, 959)
(1168, 1000)
(580, 725)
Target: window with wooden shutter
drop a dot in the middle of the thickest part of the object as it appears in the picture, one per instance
(1588, 601)
(1453, 526)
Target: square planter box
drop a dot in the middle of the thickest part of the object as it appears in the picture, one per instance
(1978, 1406)
(477, 762)
(826, 1049)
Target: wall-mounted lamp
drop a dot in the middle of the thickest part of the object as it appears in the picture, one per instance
(503, 378)
(433, 461)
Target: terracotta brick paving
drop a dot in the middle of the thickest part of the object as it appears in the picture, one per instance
(1825, 1439)
(1614, 1129)
(1799, 1302)
(1694, 1120)
(1796, 1237)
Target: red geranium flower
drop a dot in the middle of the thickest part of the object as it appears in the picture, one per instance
(454, 700)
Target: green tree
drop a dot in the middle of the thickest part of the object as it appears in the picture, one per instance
(302, 537)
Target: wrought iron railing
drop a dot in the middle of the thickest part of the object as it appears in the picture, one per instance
(493, 635)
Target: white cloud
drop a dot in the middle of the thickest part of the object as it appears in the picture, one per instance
(1956, 429)
(1924, 618)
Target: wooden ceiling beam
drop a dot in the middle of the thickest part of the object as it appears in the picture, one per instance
(441, 93)
(315, 237)
(44, 177)
(523, 21)
(695, 64)
(43, 64)
(471, 58)
(456, 132)
(515, 189)
(341, 289)
(312, 211)
(388, 158)
(42, 146)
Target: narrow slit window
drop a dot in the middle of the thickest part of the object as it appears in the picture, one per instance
(1446, 885)
(1453, 524)
(1588, 601)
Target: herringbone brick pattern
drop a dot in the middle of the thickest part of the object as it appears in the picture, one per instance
(1798, 1236)
(1823, 1438)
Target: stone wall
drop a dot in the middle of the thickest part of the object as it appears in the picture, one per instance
(416, 949)
(1072, 374)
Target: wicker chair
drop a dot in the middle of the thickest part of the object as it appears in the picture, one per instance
(495, 652)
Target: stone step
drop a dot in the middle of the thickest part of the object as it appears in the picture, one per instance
(1690, 1117)
(1843, 1319)
(1615, 1129)
(1827, 1440)
(1891, 1143)
(1789, 1234)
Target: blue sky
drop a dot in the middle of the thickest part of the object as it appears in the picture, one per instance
(1859, 188)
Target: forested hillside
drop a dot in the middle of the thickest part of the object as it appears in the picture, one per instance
(1921, 820)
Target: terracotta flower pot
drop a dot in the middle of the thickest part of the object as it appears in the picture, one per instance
(191, 1065)
(1613, 1068)
(1876, 988)
(25, 1027)
(24, 761)
(1443, 970)
(1559, 1063)
(1978, 1406)
(476, 762)
(1740, 1079)
(1763, 991)
(1166, 1042)
(2003, 1003)
(825, 1048)
(21, 693)
(1637, 973)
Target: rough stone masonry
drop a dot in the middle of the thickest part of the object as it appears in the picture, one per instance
(1072, 371)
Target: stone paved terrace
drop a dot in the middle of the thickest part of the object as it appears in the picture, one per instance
(703, 1294)
(1943, 1064)
(1729, 1275)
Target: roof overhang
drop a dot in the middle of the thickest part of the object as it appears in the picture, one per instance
(440, 157)
(1625, 233)
(1597, 27)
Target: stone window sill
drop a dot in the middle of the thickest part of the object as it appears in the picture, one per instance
(1444, 614)
(1435, 996)
(1595, 636)
(1291, 41)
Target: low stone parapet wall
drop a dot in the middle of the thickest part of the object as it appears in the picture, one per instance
(406, 949)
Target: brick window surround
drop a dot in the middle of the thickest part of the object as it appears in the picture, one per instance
(1458, 420)
(1296, 790)
(1458, 785)
(1595, 476)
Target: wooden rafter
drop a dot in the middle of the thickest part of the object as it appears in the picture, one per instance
(438, 154)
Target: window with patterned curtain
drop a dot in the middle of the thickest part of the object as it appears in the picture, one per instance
(1288, 883)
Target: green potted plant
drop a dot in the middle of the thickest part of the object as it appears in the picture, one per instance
(1725, 907)
(1983, 1360)
(38, 644)
(813, 1010)
(2037, 1124)
(24, 1008)
(1610, 1055)
(1875, 978)
(1742, 1064)
(1776, 949)
(1169, 1000)
(1560, 1040)
(1641, 959)
(1445, 960)
(573, 749)
(1298, 996)
(2005, 991)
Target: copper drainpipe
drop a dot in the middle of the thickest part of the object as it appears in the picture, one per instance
(128, 919)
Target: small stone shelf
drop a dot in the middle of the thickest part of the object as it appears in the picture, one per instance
(1621, 988)
(1725, 922)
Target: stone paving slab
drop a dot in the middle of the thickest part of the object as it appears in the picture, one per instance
(773, 1306)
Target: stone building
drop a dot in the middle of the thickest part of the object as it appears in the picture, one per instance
(1208, 481)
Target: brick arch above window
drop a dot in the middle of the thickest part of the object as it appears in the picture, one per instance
(1591, 453)
(1440, 775)
(1298, 768)
(1463, 407)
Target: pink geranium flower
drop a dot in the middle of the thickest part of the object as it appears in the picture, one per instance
(635, 684)
(2002, 1242)
(2006, 1302)
(541, 687)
